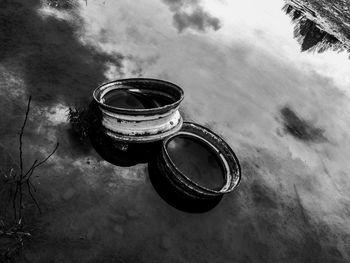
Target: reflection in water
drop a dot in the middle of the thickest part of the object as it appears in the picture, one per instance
(87, 128)
(62, 4)
(311, 35)
(131, 98)
(55, 64)
(202, 168)
(123, 98)
(196, 161)
(176, 197)
(264, 220)
(300, 128)
(190, 14)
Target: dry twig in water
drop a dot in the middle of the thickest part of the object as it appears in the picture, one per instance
(14, 233)
(24, 177)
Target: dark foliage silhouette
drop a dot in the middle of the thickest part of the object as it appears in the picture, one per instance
(309, 34)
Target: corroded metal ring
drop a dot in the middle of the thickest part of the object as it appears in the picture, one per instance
(229, 161)
(141, 125)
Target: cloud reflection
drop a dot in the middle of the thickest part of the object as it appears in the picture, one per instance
(54, 62)
(195, 18)
(233, 83)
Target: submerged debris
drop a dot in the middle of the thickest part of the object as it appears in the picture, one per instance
(78, 118)
(83, 120)
(12, 237)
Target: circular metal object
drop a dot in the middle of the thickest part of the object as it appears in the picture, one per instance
(155, 116)
(181, 183)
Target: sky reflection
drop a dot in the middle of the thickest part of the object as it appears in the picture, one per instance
(238, 79)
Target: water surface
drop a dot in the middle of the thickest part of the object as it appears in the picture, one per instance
(240, 68)
(196, 161)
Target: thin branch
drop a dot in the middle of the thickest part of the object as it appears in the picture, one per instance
(43, 161)
(20, 200)
(19, 182)
(18, 195)
(32, 185)
(35, 164)
(32, 196)
(31, 168)
(14, 200)
(21, 136)
(30, 190)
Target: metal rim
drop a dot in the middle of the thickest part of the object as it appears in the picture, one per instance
(232, 176)
(161, 109)
(212, 148)
(143, 138)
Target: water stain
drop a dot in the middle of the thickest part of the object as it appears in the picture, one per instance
(301, 129)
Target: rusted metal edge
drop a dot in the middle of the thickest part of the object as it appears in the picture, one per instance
(226, 155)
(141, 125)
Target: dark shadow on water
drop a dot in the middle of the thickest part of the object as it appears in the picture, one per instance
(175, 197)
(79, 146)
(87, 128)
(54, 64)
(301, 129)
(114, 152)
(117, 153)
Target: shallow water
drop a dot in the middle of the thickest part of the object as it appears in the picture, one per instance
(240, 68)
(197, 162)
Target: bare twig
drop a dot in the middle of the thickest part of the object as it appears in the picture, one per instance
(35, 164)
(32, 196)
(21, 136)
(28, 183)
(31, 168)
(24, 178)
(31, 171)
(20, 200)
(14, 201)
(14, 230)
(19, 183)
(32, 185)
